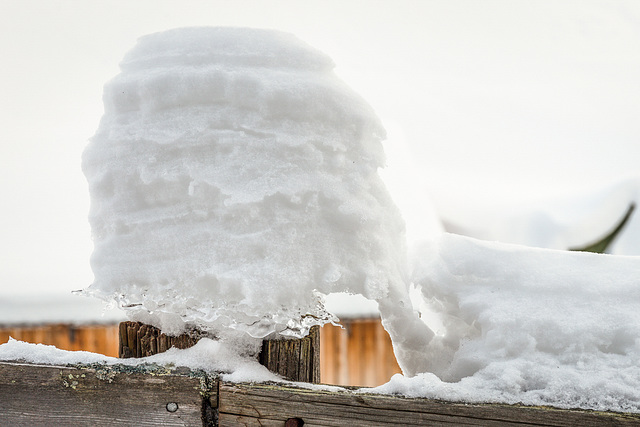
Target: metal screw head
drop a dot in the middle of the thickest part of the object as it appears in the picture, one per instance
(172, 407)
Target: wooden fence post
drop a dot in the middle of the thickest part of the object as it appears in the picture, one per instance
(294, 359)
(140, 340)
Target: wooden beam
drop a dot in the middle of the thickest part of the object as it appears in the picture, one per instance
(118, 395)
(101, 395)
(266, 405)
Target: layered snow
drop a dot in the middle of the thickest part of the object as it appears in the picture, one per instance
(520, 324)
(234, 182)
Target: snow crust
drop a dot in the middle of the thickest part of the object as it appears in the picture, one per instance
(229, 359)
(233, 183)
(520, 324)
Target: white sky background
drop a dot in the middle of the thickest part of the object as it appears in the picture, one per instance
(487, 103)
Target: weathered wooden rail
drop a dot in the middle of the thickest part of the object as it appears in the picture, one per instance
(120, 395)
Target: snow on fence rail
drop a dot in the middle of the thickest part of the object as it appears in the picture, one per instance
(119, 395)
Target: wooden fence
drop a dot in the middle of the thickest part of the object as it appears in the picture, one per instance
(358, 355)
(101, 339)
(151, 396)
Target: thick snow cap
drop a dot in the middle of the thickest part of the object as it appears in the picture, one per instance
(233, 182)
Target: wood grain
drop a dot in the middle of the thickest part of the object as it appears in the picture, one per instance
(262, 404)
(294, 359)
(360, 354)
(140, 340)
(118, 395)
(99, 396)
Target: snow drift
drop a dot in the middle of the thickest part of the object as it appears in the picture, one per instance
(537, 326)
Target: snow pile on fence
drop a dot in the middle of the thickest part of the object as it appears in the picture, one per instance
(537, 326)
(233, 183)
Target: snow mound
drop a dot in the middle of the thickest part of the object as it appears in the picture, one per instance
(537, 326)
(233, 183)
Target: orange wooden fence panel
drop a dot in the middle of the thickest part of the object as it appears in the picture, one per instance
(101, 339)
(361, 354)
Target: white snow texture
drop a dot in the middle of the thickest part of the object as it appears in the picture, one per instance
(537, 326)
(233, 183)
